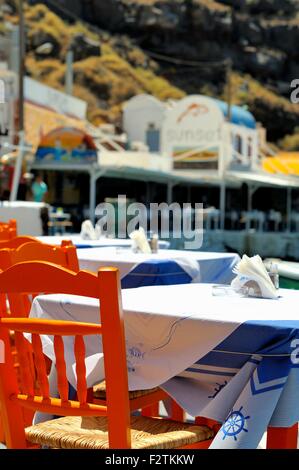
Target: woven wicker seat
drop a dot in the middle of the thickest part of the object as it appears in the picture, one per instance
(99, 392)
(91, 433)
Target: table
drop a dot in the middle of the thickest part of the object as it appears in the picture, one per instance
(102, 242)
(224, 358)
(214, 267)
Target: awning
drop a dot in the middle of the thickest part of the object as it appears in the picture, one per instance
(127, 172)
(263, 179)
(209, 178)
(286, 163)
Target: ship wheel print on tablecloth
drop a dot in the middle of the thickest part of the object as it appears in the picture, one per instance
(234, 424)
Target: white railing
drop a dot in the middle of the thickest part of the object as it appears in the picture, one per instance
(101, 139)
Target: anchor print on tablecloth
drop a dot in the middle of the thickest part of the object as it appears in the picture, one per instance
(218, 389)
(234, 424)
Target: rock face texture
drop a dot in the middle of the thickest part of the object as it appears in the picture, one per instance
(260, 37)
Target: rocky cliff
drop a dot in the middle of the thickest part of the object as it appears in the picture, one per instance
(173, 47)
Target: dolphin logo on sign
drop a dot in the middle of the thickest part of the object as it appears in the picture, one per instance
(193, 110)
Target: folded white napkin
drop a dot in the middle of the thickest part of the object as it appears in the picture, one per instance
(98, 231)
(252, 273)
(87, 231)
(139, 238)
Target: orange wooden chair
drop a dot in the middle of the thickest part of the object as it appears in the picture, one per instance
(66, 256)
(8, 230)
(10, 225)
(19, 305)
(15, 242)
(84, 424)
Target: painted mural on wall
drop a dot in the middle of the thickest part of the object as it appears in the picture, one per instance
(67, 145)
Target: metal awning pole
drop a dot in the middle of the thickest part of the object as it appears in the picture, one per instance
(249, 198)
(252, 188)
(18, 168)
(148, 194)
(249, 205)
(19, 162)
(189, 199)
(169, 192)
(222, 204)
(92, 197)
(289, 208)
(94, 176)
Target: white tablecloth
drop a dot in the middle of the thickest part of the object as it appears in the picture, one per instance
(102, 242)
(221, 357)
(214, 267)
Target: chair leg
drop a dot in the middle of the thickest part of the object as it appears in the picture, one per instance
(2, 436)
(282, 438)
(177, 413)
(28, 416)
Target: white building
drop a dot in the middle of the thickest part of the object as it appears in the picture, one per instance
(194, 132)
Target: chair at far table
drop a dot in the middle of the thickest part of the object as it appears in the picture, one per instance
(8, 230)
(83, 425)
(64, 255)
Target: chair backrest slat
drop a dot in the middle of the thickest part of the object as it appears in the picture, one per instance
(27, 378)
(64, 255)
(40, 366)
(62, 383)
(48, 278)
(79, 349)
(15, 242)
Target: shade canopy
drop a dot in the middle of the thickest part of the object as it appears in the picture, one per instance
(239, 115)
